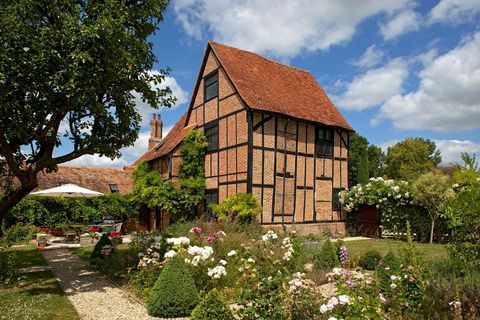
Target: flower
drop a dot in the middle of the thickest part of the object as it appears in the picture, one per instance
(223, 262)
(196, 230)
(333, 301)
(382, 299)
(344, 299)
(323, 308)
(251, 260)
(232, 253)
(179, 241)
(455, 304)
(393, 285)
(332, 318)
(270, 235)
(170, 254)
(217, 272)
(393, 278)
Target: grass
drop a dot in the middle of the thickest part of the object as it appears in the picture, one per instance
(34, 295)
(428, 252)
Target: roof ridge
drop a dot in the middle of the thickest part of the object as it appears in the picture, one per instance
(260, 56)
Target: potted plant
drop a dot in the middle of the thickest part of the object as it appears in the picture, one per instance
(42, 239)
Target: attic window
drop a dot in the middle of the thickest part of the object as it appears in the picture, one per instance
(324, 142)
(113, 188)
(211, 86)
(211, 133)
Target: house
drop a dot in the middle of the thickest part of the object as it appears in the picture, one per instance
(272, 131)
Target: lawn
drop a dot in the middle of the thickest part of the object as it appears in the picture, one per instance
(35, 295)
(428, 252)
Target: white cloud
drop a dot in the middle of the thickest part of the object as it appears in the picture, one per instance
(144, 108)
(96, 161)
(280, 28)
(404, 22)
(449, 149)
(454, 11)
(370, 58)
(452, 149)
(374, 87)
(448, 98)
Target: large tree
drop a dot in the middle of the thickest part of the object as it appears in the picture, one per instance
(410, 158)
(68, 74)
(365, 160)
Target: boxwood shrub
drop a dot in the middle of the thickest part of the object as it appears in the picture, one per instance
(212, 307)
(370, 259)
(174, 294)
(327, 257)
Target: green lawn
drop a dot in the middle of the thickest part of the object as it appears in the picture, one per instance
(35, 295)
(428, 252)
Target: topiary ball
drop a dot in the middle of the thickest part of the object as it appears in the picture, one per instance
(97, 251)
(174, 294)
(370, 259)
(212, 307)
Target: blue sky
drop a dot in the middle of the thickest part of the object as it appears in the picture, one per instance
(394, 68)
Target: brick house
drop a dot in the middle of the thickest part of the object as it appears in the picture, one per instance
(272, 131)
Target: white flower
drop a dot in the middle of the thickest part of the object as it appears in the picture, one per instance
(232, 253)
(344, 299)
(140, 254)
(217, 272)
(393, 278)
(393, 286)
(170, 254)
(333, 301)
(179, 241)
(251, 260)
(323, 308)
(332, 318)
(455, 304)
(223, 262)
(270, 235)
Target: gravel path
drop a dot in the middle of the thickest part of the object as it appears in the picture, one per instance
(93, 295)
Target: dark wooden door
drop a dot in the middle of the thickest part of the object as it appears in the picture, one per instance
(370, 221)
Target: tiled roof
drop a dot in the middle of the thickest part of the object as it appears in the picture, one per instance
(93, 178)
(173, 139)
(270, 86)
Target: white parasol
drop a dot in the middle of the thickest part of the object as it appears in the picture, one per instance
(69, 191)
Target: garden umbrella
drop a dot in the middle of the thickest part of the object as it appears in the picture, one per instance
(69, 191)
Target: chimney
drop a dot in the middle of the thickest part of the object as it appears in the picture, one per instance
(156, 127)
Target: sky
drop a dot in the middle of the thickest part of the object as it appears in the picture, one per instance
(394, 69)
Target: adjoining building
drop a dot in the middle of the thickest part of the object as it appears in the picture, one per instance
(272, 131)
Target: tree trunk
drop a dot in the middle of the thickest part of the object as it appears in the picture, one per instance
(431, 230)
(13, 198)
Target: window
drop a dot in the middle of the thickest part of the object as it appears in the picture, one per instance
(113, 188)
(336, 199)
(324, 142)
(211, 196)
(211, 87)
(211, 133)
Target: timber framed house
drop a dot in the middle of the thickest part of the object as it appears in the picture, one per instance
(272, 131)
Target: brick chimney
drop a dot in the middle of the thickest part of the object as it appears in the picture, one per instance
(156, 127)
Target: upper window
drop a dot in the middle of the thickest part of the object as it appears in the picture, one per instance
(113, 188)
(211, 86)
(211, 133)
(324, 142)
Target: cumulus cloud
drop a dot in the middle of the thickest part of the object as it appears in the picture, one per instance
(280, 28)
(145, 109)
(454, 11)
(374, 86)
(370, 58)
(449, 149)
(404, 22)
(448, 97)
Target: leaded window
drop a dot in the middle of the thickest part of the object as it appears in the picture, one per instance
(211, 86)
(324, 142)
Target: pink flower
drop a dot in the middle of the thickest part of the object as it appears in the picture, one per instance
(197, 230)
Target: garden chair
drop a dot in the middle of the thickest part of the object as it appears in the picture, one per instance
(117, 227)
(69, 235)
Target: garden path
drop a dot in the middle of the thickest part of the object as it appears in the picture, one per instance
(93, 295)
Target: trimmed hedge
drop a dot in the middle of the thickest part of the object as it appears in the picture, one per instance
(174, 294)
(104, 241)
(212, 307)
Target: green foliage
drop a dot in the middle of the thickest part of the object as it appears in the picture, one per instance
(463, 214)
(388, 265)
(431, 191)
(96, 253)
(370, 259)
(76, 62)
(467, 172)
(365, 161)
(212, 307)
(18, 234)
(410, 158)
(327, 256)
(55, 212)
(179, 202)
(241, 208)
(174, 293)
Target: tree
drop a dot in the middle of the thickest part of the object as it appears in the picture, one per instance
(468, 172)
(68, 74)
(432, 191)
(365, 161)
(410, 158)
